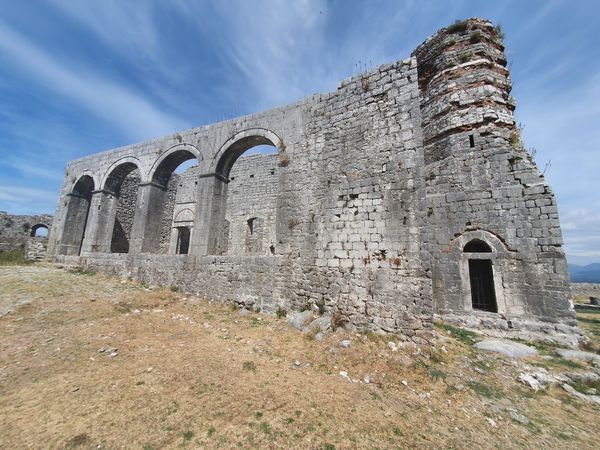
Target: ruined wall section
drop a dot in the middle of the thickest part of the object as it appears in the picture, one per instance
(363, 228)
(127, 197)
(252, 195)
(480, 180)
(15, 233)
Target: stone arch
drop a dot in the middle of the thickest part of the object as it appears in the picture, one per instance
(160, 197)
(224, 233)
(76, 219)
(118, 170)
(121, 185)
(185, 215)
(235, 146)
(36, 227)
(164, 166)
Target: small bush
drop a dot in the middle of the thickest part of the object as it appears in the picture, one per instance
(210, 431)
(284, 160)
(188, 435)
(458, 26)
(338, 320)
(281, 313)
(499, 32)
(173, 288)
(475, 37)
(464, 57)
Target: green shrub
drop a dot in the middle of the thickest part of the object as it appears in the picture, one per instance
(458, 27)
(13, 257)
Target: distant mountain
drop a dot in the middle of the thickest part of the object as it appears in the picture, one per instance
(585, 274)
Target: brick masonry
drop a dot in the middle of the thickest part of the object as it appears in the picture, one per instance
(365, 209)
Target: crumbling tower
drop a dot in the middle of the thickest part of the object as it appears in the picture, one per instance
(483, 188)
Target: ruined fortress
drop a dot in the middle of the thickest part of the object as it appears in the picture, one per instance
(403, 195)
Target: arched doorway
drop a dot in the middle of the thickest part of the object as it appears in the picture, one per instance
(481, 276)
(77, 216)
(183, 240)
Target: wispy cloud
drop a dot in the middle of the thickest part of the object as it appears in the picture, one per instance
(114, 103)
(22, 200)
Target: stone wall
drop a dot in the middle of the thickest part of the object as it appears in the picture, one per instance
(252, 205)
(366, 209)
(127, 196)
(16, 230)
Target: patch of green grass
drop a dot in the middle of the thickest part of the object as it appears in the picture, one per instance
(172, 408)
(298, 413)
(329, 447)
(13, 257)
(485, 390)
(460, 334)
(258, 414)
(188, 435)
(281, 313)
(173, 288)
(558, 362)
(585, 386)
(147, 447)
(289, 420)
(249, 366)
(83, 271)
(266, 428)
(211, 430)
(436, 374)
(375, 395)
(397, 431)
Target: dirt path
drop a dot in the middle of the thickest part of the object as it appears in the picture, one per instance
(189, 374)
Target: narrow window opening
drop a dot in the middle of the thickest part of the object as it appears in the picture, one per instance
(251, 225)
(471, 141)
(272, 249)
(272, 172)
(183, 240)
(251, 175)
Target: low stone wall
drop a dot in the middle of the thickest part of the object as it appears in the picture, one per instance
(273, 282)
(585, 289)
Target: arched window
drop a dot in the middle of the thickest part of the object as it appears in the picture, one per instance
(481, 276)
(39, 230)
(250, 164)
(477, 246)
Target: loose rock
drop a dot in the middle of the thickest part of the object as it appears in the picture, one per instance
(508, 348)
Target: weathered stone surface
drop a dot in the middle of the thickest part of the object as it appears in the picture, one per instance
(576, 355)
(298, 320)
(366, 209)
(508, 348)
(19, 233)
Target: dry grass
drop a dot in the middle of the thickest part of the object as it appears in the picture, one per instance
(190, 374)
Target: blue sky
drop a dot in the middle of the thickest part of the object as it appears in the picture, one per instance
(77, 77)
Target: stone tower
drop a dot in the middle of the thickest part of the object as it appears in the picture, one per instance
(482, 186)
